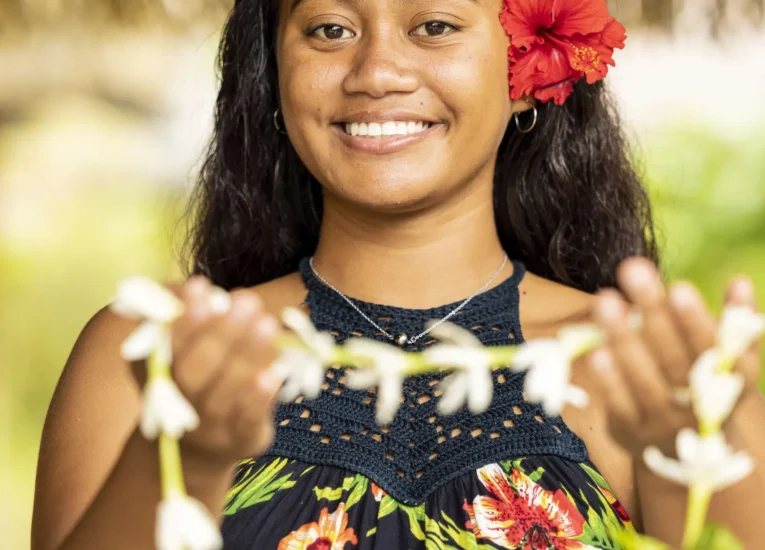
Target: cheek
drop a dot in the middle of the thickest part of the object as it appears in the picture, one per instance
(475, 87)
(307, 85)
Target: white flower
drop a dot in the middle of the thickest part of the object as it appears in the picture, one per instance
(582, 338)
(142, 298)
(548, 362)
(184, 523)
(471, 383)
(303, 368)
(166, 410)
(704, 462)
(738, 330)
(714, 394)
(302, 371)
(387, 372)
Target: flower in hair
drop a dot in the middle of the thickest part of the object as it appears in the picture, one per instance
(556, 43)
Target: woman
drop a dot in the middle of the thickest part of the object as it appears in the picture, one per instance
(297, 207)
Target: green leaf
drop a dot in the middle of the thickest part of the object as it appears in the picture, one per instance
(388, 505)
(596, 477)
(717, 537)
(415, 516)
(629, 539)
(464, 538)
(328, 493)
(537, 474)
(258, 487)
(372, 531)
(360, 485)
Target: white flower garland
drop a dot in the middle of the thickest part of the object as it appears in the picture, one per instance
(706, 463)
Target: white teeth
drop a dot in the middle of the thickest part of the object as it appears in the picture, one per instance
(388, 128)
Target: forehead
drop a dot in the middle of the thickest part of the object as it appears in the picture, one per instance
(293, 4)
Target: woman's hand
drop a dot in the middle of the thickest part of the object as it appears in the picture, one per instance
(219, 363)
(639, 371)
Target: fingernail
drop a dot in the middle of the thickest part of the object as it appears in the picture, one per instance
(745, 288)
(195, 286)
(242, 308)
(646, 280)
(684, 296)
(601, 360)
(266, 328)
(609, 309)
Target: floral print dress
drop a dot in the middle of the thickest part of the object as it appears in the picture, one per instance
(533, 503)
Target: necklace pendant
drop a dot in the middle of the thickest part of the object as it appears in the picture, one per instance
(401, 340)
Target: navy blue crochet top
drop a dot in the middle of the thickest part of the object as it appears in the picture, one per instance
(420, 450)
(335, 480)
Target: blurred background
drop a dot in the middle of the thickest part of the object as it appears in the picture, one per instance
(106, 106)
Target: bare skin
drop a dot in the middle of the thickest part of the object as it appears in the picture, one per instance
(413, 228)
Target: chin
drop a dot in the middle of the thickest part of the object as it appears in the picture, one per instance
(390, 195)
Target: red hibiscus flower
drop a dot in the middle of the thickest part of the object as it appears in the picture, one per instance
(556, 43)
(522, 515)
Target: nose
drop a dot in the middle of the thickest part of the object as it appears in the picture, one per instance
(381, 66)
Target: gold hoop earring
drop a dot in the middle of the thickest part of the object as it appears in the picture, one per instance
(276, 123)
(533, 123)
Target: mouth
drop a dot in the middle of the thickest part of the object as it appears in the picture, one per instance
(385, 137)
(381, 130)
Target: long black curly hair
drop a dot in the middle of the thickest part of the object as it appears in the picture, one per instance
(567, 198)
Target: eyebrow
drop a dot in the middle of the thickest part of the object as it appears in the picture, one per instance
(296, 3)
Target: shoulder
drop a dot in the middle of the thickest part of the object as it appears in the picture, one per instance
(547, 306)
(277, 294)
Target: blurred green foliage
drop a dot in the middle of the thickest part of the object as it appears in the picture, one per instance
(708, 193)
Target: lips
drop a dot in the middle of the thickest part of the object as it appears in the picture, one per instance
(385, 144)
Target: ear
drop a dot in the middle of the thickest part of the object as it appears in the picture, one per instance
(526, 103)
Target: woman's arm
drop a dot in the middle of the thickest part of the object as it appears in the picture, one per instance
(98, 480)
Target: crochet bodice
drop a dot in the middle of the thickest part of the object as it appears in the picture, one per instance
(421, 450)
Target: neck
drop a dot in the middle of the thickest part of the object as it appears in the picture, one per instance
(415, 260)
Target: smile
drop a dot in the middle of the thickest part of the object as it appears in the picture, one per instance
(385, 137)
(388, 128)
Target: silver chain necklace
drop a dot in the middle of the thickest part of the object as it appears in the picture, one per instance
(402, 339)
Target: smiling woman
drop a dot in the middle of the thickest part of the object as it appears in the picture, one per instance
(382, 164)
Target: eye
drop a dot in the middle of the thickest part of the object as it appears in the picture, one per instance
(434, 29)
(330, 32)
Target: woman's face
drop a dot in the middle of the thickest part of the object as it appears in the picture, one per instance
(431, 72)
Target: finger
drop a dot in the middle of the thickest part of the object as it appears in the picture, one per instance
(631, 357)
(248, 355)
(640, 282)
(740, 293)
(202, 359)
(622, 410)
(194, 293)
(696, 323)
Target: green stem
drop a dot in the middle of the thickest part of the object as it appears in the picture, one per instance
(696, 515)
(170, 466)
(171, 469)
